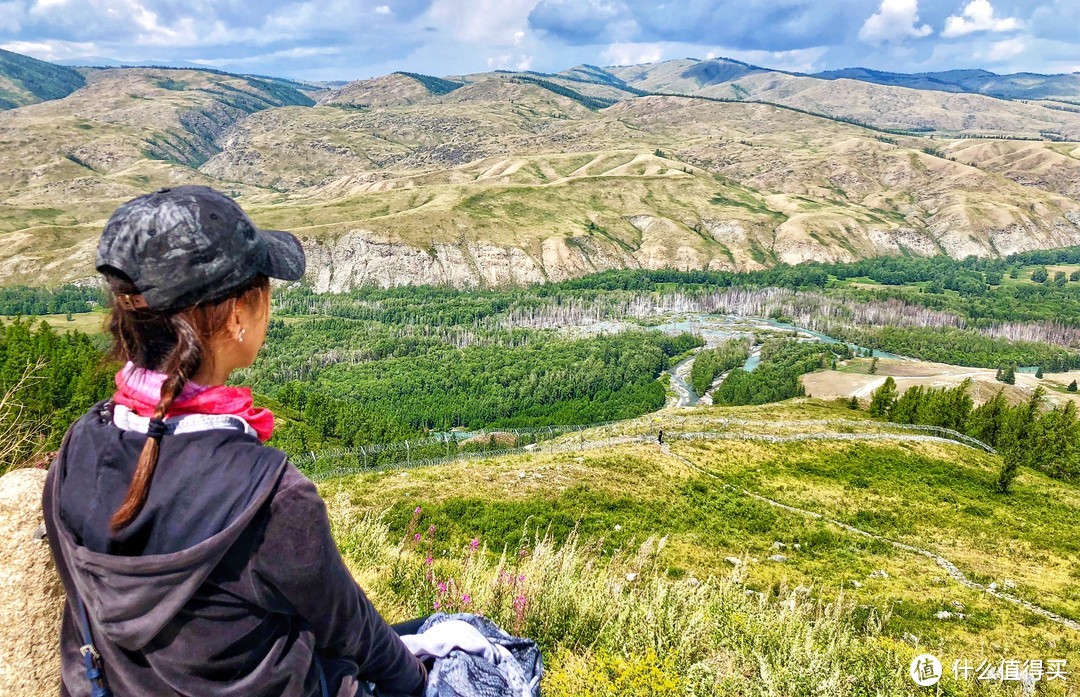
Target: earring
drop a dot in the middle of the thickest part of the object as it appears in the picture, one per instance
(241, 337)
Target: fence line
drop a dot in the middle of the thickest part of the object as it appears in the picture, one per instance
(939, 434)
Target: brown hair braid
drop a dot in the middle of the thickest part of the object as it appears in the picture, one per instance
(173, 343)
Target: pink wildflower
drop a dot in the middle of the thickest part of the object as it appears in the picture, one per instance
(430, 560)
(466, 599)
(442, 586)
(475, 544)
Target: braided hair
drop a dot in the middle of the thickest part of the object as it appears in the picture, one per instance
(175, 343)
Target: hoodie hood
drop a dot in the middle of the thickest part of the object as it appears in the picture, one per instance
(207, 489)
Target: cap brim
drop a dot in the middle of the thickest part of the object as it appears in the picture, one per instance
(285, 259)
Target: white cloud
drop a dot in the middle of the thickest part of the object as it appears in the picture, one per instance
(383, 10)
(895, 20)
(505, 61)
(489, 22)
(978, 15)
(632, 54)
(52, 50)
(1006, 49)
(298, 53)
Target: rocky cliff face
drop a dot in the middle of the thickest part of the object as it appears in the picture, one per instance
(363, 257)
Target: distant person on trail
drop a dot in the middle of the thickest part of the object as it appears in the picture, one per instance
(660, 436)
(202, 557)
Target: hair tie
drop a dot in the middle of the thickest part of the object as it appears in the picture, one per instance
(157, 428)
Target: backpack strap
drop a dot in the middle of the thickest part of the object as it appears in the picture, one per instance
(91, 657)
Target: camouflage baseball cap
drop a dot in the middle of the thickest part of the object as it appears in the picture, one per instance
(191, 244)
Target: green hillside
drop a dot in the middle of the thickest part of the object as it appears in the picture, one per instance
(665, 571)
(26, 80)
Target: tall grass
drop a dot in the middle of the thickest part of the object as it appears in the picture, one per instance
(613, 622)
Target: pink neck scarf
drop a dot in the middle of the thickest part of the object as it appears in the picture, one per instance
(139, 389)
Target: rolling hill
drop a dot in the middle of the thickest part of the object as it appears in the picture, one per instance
(519, 177)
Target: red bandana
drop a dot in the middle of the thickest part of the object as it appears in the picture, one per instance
(139, 389)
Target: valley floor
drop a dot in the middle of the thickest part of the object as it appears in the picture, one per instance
(853, 380)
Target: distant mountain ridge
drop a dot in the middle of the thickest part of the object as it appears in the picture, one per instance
(1014, 86)
(522, 176)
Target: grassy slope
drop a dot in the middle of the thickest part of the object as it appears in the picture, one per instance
(25, 80)
(930, 495)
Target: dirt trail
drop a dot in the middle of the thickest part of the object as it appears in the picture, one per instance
(949, 567)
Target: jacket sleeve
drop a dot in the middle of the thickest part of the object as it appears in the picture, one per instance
(298, 559)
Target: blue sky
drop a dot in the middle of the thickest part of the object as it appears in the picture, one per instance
(343, 39)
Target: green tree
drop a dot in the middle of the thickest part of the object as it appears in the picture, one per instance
(1072, 386)
(1059, 278)
(1075, 275)
(1057, 443)
(1040, 274)
(987, 422)
(1039, 373)
(1009, 376)
(873, 366)
(883, 398)
(1020, 440)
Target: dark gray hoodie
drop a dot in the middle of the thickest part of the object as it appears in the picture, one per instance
(227, 583)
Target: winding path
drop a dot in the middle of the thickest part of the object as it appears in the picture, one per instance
(949, 567)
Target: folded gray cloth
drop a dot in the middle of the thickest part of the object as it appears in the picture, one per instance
(513, 669)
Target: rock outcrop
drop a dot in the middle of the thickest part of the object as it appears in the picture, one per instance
(31, 596)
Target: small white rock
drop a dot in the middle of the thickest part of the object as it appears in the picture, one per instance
(1009, 584)
(618, 528)
(880, 573)
(778, 545)
(734, 561)
(856, 584)
(911, 638)
(993, 586)
(797, 546)
(631, 576)
(778, 557)
(943, 614)
(693, 582)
